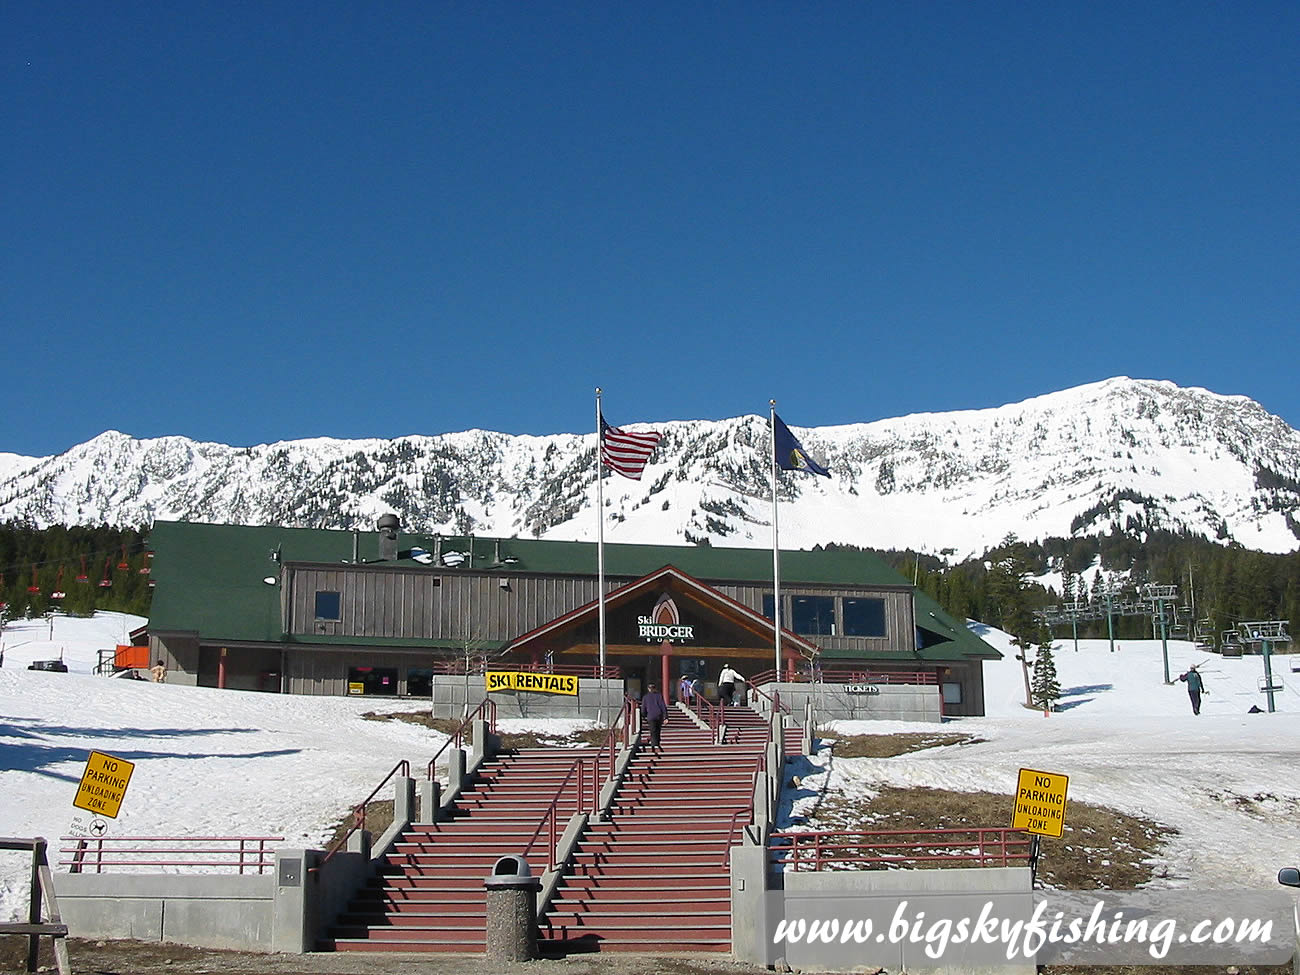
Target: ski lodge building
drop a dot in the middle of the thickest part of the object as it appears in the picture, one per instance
(385, 613)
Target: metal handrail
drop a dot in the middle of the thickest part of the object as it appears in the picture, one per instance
(552, 813)
(92, 852)
(714, 714)
(760, 765)
(814, 849)
(608, 747)
(359, 813)
(488, 709)
(774, 699)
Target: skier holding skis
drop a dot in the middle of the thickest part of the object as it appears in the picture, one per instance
(1195, 688)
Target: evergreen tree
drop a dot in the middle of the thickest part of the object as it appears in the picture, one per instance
(1045, 687)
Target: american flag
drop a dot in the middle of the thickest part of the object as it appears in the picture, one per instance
(626, 453)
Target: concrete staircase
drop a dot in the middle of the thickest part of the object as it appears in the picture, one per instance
(428, 894)
(650, 874)
(654, 874)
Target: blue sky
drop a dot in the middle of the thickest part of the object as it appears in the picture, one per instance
(248, 222)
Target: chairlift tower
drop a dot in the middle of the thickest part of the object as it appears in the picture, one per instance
(1073, 610)
(1158, 595)
(1264, 634)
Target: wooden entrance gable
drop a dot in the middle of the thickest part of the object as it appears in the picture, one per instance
(665, 612)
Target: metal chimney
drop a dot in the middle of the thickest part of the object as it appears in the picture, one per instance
(389, 525)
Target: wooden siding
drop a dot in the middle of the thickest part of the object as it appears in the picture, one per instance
(388, 602)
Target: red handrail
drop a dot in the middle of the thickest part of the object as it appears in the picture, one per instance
(608, 748)
(814, 849)
(108, 851)
(714, 714)
(359, 813)
(487, 709)
(552, 813)
(760, 765)
(774, 699)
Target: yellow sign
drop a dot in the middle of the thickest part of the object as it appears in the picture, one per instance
(513, 680)
(103, 784)
(1040, 802)
(356, 687)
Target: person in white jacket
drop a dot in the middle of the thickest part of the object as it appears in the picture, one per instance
(727, 681)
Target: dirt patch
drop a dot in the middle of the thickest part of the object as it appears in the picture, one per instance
(422, 718)
(154, 958)
(887, 746)
(523, 739)
(1101, 849)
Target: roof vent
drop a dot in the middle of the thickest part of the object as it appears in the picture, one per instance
(388, 528)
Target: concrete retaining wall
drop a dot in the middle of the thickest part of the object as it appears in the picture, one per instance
(761, 899)
(451, 693)
(864, 702)
(208, 910)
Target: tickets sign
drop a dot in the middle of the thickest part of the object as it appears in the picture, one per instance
(103, 784)
(1040, 802)
(514, 680)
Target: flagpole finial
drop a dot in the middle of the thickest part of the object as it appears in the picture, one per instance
(772, 403)
(597, 390)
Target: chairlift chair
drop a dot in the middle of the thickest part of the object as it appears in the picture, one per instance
(107, 581)
(58, 587)
(124, 564)
(81, 576)
(35, 587)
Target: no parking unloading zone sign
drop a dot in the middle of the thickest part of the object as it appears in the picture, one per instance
(1040, 802)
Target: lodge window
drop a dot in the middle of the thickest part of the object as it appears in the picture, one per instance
(372, 680)
(329, 606)
(864, 617)
(813, 615)
(951, 692)
(419, 682)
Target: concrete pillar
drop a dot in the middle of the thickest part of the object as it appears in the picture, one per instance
(455, 774)
(749, 933)
(359, 842)
(294, 911)
(404, 800)
(430, 796)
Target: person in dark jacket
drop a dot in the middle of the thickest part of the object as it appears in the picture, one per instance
(1195, 687)
(655, 711)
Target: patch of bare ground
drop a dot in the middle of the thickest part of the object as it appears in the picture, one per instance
(1100, 849)
(887, 746)
(522, 739)
(155, 958)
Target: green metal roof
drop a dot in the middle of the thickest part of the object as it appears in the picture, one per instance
(209, 577)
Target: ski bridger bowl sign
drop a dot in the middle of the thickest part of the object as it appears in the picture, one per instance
(664, 624)
(648, 629)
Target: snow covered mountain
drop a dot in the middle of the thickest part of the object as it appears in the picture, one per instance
(1135, 454)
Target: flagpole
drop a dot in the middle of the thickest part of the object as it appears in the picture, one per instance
(600, 538)
(776, 551)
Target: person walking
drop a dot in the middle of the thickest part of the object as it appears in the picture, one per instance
(655, 711)
(684, 689)
(727, 681)
(1195, 688)
(159, 672)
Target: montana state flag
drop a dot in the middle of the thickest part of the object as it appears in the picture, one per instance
(790, 453)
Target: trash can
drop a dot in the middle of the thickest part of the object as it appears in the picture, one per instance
(511, 910)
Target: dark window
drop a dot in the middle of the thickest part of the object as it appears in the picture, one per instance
(419, 682)
(814, 615)
(372, 680)
(328, 605)
(769, 606)
(864, 617)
